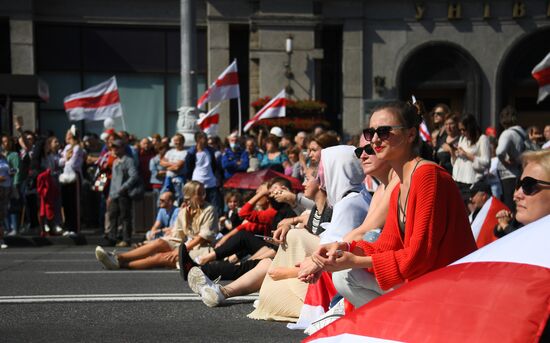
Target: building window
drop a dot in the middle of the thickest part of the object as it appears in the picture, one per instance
(146, 62)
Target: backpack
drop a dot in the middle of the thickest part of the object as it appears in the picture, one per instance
(527, 144)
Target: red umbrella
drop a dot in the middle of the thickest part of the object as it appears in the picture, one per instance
(255, 179)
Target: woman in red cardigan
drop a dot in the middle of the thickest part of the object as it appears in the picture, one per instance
(426, 227)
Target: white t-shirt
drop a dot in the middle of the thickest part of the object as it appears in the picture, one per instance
(203, 170)
(174, 155)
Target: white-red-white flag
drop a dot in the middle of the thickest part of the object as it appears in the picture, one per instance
(541, 73)
(276, 108)
(424, 132)
(209, 122)
(485, 221)
(423, 129)
(99, 102)
(225, 87)
(499, 293)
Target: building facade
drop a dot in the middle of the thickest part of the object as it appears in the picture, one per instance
(475, 56)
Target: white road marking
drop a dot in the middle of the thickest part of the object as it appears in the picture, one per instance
(181, 297)
(113, 272)
(57, 261)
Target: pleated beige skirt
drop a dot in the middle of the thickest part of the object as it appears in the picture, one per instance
(283, 300)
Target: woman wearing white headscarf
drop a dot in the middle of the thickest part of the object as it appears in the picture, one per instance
(341, 176)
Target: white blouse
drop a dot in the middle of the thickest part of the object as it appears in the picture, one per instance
(467, 171)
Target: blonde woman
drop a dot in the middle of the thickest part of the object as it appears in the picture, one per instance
(196, 227)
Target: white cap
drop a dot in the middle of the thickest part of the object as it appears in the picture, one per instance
(277, 131)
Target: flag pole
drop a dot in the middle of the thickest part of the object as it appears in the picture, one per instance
(240, 114)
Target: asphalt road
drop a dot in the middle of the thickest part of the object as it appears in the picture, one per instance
(61, 294)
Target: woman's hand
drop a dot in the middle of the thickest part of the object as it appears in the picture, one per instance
(504, 218)
(262, 190)
(279, 235)
(308, 269)
(284, 195)
(221, 242)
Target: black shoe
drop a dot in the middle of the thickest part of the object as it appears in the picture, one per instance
(186, 262)
(106, 242)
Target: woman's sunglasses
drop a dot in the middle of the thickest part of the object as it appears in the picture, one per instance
(529, 185)
(367, 149)
(383, 132)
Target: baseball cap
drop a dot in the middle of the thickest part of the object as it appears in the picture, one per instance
(277, 131)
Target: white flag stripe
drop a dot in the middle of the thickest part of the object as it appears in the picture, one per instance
(477, 224)
(270, 110)
(97, 90)
(94, 114)
(529, 244)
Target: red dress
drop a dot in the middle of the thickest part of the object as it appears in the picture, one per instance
(437, 230)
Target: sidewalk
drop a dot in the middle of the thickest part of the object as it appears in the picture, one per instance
(86, 237)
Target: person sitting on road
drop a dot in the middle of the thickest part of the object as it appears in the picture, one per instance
(243, 240)
(166, 217)
(195, 230)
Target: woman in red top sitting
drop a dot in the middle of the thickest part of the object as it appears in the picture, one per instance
(426, 227)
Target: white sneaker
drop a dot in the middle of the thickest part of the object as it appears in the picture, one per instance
(212, 296)
(47, 228)
(109, 260)
(197, 279)
(330, 316)
(58, 230)
(3, 245)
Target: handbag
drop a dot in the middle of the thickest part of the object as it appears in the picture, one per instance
(100, 183)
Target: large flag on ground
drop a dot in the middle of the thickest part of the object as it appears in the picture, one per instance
(276, 108)
(209, 122)
(541, 73)
(500, 293)
(225, 87)
(485, 221)
(99, 102)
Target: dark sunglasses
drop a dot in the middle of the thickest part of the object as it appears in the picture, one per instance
(383, 132)
(529, 185)
(367, 149)
(439, 114)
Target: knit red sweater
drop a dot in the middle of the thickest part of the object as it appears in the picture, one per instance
(258, 222)
(437, 230)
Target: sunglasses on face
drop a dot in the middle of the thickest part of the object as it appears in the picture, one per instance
(439, 114)
(367, 149)
(383, 132)
(529, 185)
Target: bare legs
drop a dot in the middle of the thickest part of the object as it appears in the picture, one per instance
(155, 254)
(249, 282)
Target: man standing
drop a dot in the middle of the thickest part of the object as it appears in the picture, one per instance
(483, 210)
(201, 165)
(119, 204)
(232, 160)
(174, 162)
(510, 147)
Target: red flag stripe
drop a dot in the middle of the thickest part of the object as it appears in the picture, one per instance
(214, 119)
(94, 102)
(229, 79)
(542, 77)
(280, 102)
(425, 135)
(470, 302)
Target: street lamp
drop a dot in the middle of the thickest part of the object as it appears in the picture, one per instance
(288, 70)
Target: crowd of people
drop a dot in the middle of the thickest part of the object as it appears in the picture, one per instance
(377, 210)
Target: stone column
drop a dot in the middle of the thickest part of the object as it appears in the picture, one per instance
(188, 115)
(22, 63)
(352, 76)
